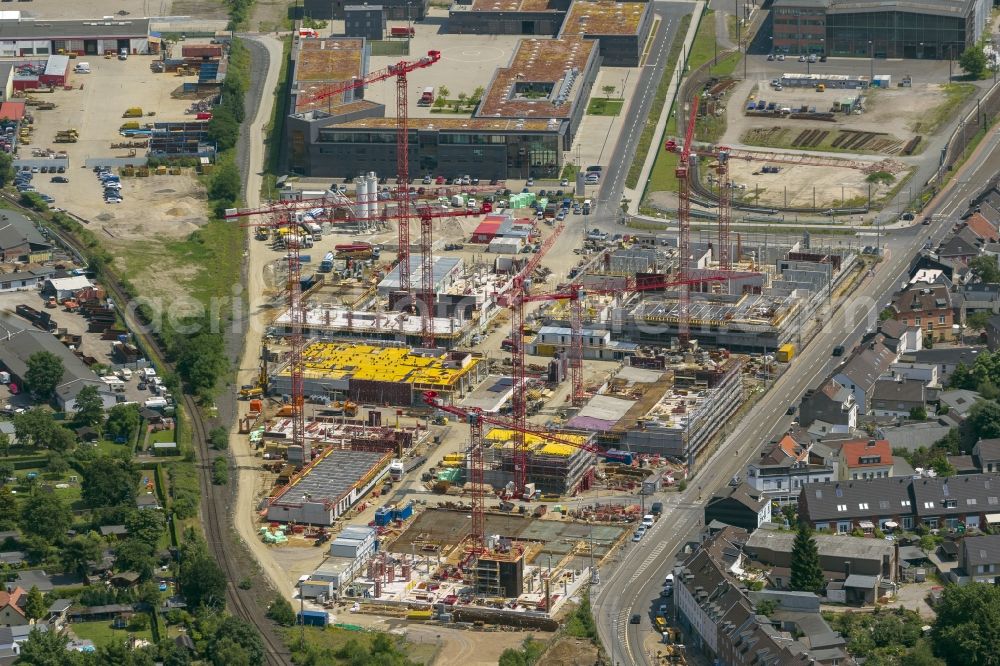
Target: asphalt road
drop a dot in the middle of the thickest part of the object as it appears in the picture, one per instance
(632, 584)
(609, 196)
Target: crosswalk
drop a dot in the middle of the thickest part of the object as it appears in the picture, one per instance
(653, 555)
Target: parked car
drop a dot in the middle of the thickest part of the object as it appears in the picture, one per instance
(802, 58)
(770, 56)
(59, 179)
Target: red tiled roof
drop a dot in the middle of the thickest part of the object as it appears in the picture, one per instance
(982, 227)
(12, 598)
(853, 452)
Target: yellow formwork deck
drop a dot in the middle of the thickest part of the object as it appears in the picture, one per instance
(536, 444)
(326, 360)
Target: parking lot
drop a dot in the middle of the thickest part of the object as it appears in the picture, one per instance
(61, 9)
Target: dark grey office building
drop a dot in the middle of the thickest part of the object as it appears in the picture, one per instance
(931, 29)
(366, 21)
(507, 17)
(395, 10)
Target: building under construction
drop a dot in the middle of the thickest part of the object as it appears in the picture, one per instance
(671, 408)
(766, 307)
(382, 375)
(552, 467)
(329, 486)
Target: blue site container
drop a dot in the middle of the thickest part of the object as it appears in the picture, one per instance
(404, 512)
(314, 618)
(383, 517)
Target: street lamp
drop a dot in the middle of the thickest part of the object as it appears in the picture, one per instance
(871, 53)
(951, 54)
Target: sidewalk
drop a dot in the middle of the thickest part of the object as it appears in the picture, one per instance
(633, 194)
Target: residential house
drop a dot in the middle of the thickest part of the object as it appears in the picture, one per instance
(859, 373)
(925, 372)
(897, 398)
(20, 240)
(845, 506)
(993, 333)
(839, 555)
(931, 276)
(963, 464)
(899, 336)
(981, 227)
(961, 247)
(958, 402)
(12, 607)
(987, 454)
(13, 637)
(29, 578)
(978, 559)
(785, 466)
(977, 297)
(741, 506)
(926, 307)
(831, 403)
(946, 359)
(147, 501)
(865, 459)
(59, 612)
(721, 620)
(949, 502)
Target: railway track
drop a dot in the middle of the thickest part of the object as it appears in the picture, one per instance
(214, 499)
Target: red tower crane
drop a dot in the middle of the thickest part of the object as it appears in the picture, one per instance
(514, 299)
(684, 224)
(398, 70)
(476, 418)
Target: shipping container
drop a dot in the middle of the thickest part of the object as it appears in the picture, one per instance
(785, 353)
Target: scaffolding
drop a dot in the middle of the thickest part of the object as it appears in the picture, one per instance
(553, 468)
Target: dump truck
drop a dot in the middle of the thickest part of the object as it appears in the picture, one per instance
(356, 251)
(402, 31)
(785, 353)
(326, 265)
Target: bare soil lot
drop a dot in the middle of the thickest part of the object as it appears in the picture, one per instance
(797, 185)
(63, 9)
(895, 114)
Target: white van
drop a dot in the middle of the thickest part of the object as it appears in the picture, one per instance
(125, 374)
(123, 54)
(82, 68)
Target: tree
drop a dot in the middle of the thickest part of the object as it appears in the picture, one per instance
(985, 268)
(89, 407)
(47, 648)
(118, 653)
(223, 128)
(462, 97)
(225, 186)
(37, 428)
(56, 464)
(240, 633)
(973, 61)
(35, 607)
(45, 516)
(135, 555)
(967, 627)
(440, 103)
(281, 611)
(983, 422)
(45, 371)
(8, 508)
(608, 91)
(477, 94)
(146, 525)
(123, 421)
(6, 472)
(219, 438)
(201, 581)
(443, 91)
(977, 321)
(6, 168)
(201, 359)
(807, 575)
(918, 413)
(109, 482)
(77, 555)
(220, 471)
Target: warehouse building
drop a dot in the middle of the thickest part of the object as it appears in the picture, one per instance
(328, 487)
(925, 29)
(28, 37)
(395, 10)
(528, 116)
(507, 17)
(388, 375)
(621, 28)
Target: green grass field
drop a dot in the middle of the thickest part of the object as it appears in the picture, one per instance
(101, 632)
(600, 106)
(331, 639)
